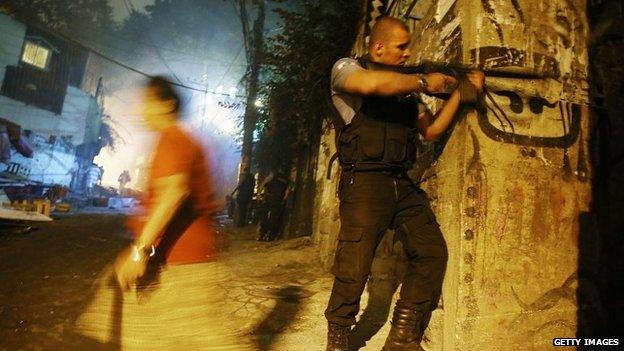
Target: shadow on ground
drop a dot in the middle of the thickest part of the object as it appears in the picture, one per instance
(289, 303)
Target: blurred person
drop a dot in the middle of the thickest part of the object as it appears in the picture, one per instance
(177, 301)
(179, 198)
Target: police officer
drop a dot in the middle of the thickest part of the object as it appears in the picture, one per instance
(376, 147)
(275, 192)
(244, 196)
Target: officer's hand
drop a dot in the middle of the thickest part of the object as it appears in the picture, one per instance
(477, 78)
(439, 83)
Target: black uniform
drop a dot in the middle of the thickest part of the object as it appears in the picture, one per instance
(375, 151)
(244, 197)
(273, 207)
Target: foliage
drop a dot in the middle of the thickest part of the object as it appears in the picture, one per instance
(190, 26)
(298, 65)
(63, 15)
(109, 137)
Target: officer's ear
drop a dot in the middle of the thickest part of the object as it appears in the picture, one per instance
(377, 49)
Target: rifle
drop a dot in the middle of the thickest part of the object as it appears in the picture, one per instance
(459, 70)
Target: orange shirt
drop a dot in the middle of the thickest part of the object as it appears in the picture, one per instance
(189, 237)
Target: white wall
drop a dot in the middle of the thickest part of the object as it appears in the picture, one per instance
(11, 42)
(50, 164)
(71, 122)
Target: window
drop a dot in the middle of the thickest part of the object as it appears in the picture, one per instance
(36, 55)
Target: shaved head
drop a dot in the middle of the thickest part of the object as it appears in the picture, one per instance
(383, 30)
(389, 42)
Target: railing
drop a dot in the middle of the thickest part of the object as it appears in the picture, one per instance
(34, 87)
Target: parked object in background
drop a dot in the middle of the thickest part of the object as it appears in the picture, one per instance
(99, 201)
(55, 193)
(122, 202)
(38, 211)
(43, 206)
(62, 207)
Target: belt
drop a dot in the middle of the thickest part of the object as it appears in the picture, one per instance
(393, 173)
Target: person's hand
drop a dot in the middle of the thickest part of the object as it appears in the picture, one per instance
(128, 270)
(439, 83)
(477, 78)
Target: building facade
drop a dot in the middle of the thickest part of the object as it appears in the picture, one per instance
(44, 93)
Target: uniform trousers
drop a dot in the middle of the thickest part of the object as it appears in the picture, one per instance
(371, 203)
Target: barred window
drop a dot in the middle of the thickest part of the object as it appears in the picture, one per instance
(36, 55)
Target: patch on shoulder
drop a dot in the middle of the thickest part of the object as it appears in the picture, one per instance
(343, 63)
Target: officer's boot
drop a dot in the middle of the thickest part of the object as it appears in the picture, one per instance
(337, 337)
(405, 333)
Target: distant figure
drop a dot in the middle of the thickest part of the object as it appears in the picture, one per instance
(244, 195)
(94, 176)
(124, 178)
(274, 194)
(231, 205)
(101, 175)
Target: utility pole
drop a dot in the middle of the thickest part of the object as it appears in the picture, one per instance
(254, 42)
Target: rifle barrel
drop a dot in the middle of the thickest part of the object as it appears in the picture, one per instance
(458, 70)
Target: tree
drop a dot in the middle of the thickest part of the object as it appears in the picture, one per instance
(62, 15)
(254, 40)
(298, 64)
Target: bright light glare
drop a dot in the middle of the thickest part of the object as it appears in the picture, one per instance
(258, 103)
(232, 92)
(225, 124)
(219, 118)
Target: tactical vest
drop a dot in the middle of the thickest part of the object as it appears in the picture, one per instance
(381, 135)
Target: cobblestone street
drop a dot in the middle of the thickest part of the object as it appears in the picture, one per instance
(274, 295)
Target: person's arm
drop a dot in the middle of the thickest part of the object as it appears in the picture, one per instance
(386, 83)
(430, 127)
(170, 193)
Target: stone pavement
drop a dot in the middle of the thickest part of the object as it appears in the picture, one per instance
(275, 299)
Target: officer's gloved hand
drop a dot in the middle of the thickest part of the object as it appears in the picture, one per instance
(471, 86)
(438, 83)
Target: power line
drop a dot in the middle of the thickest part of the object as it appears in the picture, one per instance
(132, 9)
(108, 58)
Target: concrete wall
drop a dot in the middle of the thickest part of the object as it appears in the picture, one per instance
(77, 110)
(511, 184)
(11, 42)
(50, 164)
